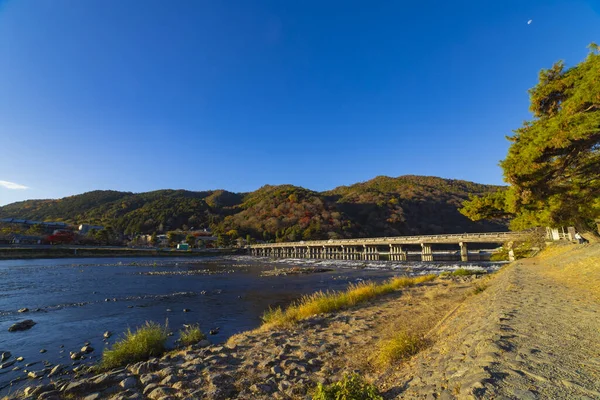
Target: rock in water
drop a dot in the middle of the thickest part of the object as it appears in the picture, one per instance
(22, 326)
(107, 334)
(7, 364)
(22, 310)
(56, 370)
(76, 355)
(5, 356)
(35, 374)
(87, 349)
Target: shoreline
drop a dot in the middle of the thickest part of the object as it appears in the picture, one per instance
(83, 252)
(313, 350)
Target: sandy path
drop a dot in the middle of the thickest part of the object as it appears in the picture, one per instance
(528, 336)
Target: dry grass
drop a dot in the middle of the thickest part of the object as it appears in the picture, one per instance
(401, 346)
(436, 293)
(479, 288)
(577, 266)
(326, 302)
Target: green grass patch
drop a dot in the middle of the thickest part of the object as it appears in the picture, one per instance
(326, 302)
(191, 335)
(147, 341)
(351, 387)
(479, 288)
(466, 272)
(400, 347)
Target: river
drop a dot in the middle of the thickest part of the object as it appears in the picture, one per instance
(74, 301)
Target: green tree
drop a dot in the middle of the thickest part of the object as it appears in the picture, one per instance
(36, 230)
(223, 240)
(191, 240)
(173, 238)
(553, 162)
(103, 237)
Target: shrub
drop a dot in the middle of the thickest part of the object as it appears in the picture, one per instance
(402, 346)
(191, 335)
(466, 272)
(351, 387)
(147, 341)
(501, 255)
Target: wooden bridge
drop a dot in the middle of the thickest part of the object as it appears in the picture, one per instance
(373, 248)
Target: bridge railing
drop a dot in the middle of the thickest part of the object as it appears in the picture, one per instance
(453, 238)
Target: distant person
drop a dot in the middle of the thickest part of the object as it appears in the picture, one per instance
(579, 238)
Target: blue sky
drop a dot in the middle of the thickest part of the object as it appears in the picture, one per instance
(141, 95)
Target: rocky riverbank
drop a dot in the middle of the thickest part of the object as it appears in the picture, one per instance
(527, 332)
(282, 364)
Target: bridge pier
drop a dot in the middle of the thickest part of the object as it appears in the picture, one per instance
(371, 253)
(396, 253)
(464, 253)
(511, 252)
(426, 253)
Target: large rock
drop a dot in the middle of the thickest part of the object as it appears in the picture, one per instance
(22, 326)
(144, 367)
(169, 380)
(78, 388)
(147, 379)
(160, 392)
(128, 383)
(5, 356)
(7, 364)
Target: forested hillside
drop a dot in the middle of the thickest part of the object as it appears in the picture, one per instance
(383, 206)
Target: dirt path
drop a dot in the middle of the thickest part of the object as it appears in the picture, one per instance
(530, 335)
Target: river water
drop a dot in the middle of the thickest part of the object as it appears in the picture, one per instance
(74, 301)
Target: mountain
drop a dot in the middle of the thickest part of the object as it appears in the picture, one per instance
(383, 206)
